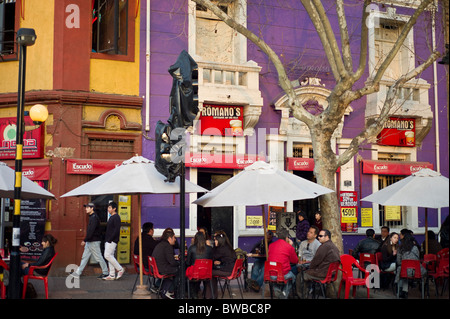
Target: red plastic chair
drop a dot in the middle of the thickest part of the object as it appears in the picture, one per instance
(31, 275)
(136, 268)
(390, 274)
(440, 274)
(154, 271)
(273, 274)
(2, 286)
(348, 262)
(442, 254)
(200, 271)
(235, 274)
(414, 274)
(332, 275)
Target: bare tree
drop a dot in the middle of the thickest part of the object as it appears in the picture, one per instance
(339, 57)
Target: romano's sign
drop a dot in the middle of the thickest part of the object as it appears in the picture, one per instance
(398, 132)
(224, 120)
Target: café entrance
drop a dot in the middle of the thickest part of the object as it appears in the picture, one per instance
(214, 218)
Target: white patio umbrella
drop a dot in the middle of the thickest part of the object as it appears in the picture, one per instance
(259, 184)
(425, 188)
(137, 175)
(30, 190)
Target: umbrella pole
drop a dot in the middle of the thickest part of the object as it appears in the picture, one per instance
(141, 290)
(426, 231)
(266, 246)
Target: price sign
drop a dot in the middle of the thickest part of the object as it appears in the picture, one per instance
(254, 221)
(348, 215)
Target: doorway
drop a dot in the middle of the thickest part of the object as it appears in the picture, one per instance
(214, 218)
(308, 206)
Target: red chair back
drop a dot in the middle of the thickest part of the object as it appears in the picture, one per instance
(442, 254)
(367, 258)
(136, 265)
(429, 263)
(442, 268)
(154, 268)
(201, 270)
(273, 269)
(347, 263)
(237, 269)
(332, 272)
(413, 265)
(33, 268)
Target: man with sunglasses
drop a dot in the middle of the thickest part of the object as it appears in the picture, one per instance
(326, 254)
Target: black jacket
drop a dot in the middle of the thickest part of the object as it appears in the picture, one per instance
(93, 232)
(193, 255)
(368, 245)
(113, 229)
(44, 259)
(226, 256)
(148, 245)
(165, 260)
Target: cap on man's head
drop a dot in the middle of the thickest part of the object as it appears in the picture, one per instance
(89, 205)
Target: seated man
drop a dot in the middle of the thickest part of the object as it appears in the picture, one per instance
(148, 243)
(282, 251)
(368, 245)
(326, 254)
(166, 262)
(309, 246)
(257, 275)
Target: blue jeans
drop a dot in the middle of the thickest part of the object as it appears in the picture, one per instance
(92, 249)
(290, 278)
(258, 271)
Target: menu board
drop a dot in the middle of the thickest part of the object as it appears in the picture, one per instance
(32, 226)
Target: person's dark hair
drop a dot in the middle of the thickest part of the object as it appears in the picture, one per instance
(405, 231)
(222, 239)
(147, 227)
(50, 239)
(283, 234)
(316, 229)
(200, 242)
(168, 233)
(370, 232)
(113, 205)
(388, 244)
(327, 233)
(386, 227)
(407, 242)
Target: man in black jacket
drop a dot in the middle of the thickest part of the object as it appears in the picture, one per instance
(166, 262)
(91, 243)
(112, 237)
(148, 243)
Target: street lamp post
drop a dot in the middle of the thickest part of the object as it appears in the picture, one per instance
(25, 37)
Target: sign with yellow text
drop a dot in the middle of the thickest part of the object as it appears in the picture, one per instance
(254, 221)
(366, 217)
(392, 213)
(348, 215)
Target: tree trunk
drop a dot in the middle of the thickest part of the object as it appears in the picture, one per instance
(325, 170)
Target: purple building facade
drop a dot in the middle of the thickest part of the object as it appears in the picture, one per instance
(243, 117)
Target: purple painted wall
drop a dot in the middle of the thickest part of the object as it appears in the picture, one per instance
(290, 33)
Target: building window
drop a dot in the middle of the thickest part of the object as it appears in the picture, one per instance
(384, 181)
(214, 40)
(8, 45)
(302, 150)
(109, 148)
(110, 27)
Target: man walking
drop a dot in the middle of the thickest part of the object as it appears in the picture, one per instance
(91, 243)
(111, 239)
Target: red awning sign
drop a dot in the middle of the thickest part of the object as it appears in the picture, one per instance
(206, 160)
(90, 166)
(393, 168)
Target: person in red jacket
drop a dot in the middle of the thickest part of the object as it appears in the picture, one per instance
(282, 251)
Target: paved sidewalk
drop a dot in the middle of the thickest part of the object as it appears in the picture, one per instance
(92, 288)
